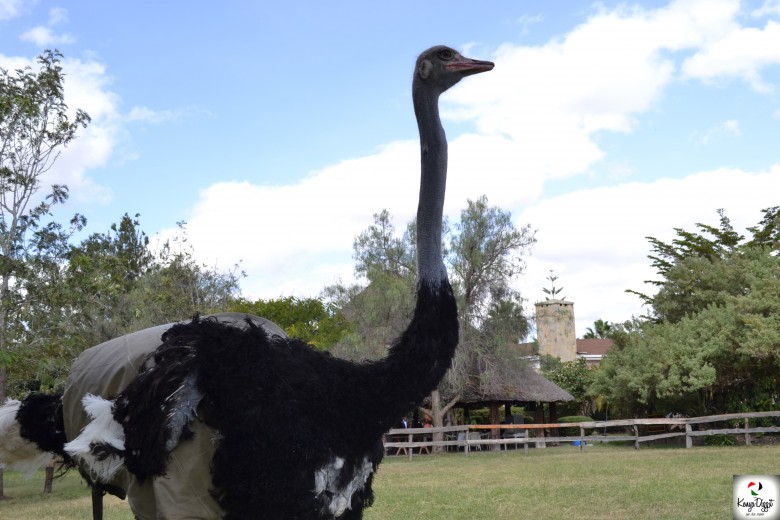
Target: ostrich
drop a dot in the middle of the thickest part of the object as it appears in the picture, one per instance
(224, 416)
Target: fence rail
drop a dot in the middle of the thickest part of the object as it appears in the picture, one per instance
(468, 437)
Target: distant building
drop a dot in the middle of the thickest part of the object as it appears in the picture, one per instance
(593, 350)
(556, 336)
(555, 329)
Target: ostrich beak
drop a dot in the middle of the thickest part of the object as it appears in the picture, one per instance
(467, 66)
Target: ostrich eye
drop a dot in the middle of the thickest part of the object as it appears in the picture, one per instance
(446, 54)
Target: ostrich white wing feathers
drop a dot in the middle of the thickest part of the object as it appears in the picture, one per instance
(185, 401)
(338, 495)
(16, 452)
(101, 444)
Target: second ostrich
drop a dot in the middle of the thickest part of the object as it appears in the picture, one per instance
(226, 417)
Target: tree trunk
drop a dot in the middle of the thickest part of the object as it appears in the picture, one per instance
(3, 375)
(495, 419)
(3, 366)
(437, 413)
(438, 418)
(3, 356)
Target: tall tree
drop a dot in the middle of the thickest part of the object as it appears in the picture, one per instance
(112, 284)
(574, 377)
(484, 251)
(101, 273)
(713, 343)
(553, 291)
(175, 286)
(34, 126)
(676, 262)
(601, 329)
(485, 256)
(379, 311)
(307, 319)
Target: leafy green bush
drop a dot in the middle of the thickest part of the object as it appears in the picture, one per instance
(573, 431)
(720, 440)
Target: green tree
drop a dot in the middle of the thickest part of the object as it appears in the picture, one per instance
(573, 376)
(766, 233)
(380, 310)
(112, 284)
(485, 256)
(601, 330)
(176, 286)
(713, 343)
(680, 261)
(34, 126)
(101, 272)
(484, 251)
(553, 291)
(378, 249)
(307, 319)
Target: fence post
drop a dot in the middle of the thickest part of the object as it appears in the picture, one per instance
(540, 442)
(582, 439)
(636, 437)
(688, 438)
(47, 483)
(747, 431)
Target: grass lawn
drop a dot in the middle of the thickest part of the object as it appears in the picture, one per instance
(605, 482)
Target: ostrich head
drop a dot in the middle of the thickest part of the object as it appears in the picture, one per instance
(441, 67)
(436, 70)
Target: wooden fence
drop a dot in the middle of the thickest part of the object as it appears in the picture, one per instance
(496, 436)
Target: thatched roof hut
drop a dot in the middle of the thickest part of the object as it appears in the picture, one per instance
(529, 389)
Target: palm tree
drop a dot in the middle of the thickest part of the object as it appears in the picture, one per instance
(601, 330)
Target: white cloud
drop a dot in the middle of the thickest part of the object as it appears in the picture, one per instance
(45, 37)
(595, 239)
(10, 9)
(768, 8)
(621, 170)
(147, 115)
(741, 53)
(553, 101)
(298, 226)
(87, 88)
(526, 21)
(140, 114)
(724, 129)
(58, 15)
(538, 116)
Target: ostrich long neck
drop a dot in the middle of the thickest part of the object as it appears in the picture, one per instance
(433, 181)
(418, 360)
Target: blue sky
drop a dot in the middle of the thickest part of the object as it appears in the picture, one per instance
(276, 131)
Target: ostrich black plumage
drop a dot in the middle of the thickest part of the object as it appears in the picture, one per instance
(283, 431)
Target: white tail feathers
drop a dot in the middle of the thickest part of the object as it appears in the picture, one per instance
(100, 443)
(17, 452)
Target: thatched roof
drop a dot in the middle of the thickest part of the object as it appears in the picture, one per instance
(530, 386)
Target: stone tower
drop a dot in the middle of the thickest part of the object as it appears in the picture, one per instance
(555, 329)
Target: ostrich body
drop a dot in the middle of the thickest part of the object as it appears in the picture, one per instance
(229, 418)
